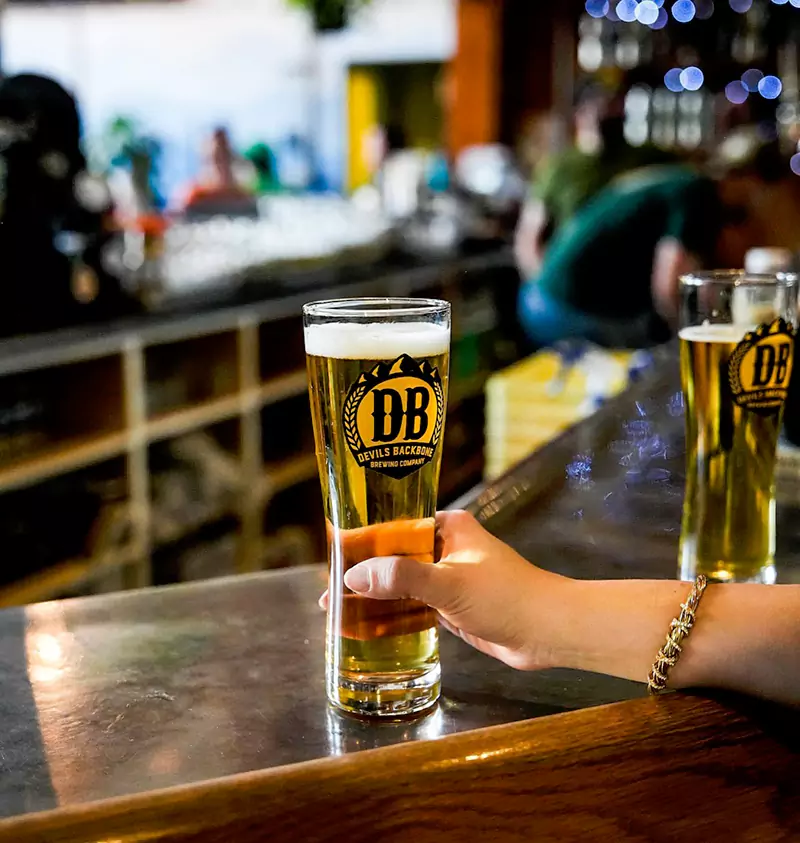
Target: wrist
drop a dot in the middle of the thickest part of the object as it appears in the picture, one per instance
(565, 617)
(548, 634)
(614, 627)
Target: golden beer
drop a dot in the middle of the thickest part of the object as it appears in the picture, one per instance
(378, 395)
(734, 383)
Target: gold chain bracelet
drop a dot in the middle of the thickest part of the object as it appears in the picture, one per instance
(679, 629)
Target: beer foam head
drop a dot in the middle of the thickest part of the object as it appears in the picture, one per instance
(715, 333)
(377, 340)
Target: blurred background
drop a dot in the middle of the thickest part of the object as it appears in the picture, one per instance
(177, 177)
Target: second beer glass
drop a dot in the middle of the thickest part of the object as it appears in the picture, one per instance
(737, 348)
(378, 376)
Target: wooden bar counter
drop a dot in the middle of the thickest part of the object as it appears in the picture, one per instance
(197, 713)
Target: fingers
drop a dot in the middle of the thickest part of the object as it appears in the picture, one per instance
(454, 527)
(445, 624)
(399, 577)
(396, 577)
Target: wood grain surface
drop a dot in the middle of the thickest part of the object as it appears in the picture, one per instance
(675, 768)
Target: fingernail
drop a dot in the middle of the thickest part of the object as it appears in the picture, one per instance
(357, 579)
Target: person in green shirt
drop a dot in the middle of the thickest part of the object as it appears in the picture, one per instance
(611, 274)
(566, 181)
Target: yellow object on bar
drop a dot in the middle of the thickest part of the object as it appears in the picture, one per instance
(531, 403)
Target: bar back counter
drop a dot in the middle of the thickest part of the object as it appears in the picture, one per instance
(172, 447)
(197, 713)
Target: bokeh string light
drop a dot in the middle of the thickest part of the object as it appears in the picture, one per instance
(751, 78)
(653, 13)
(770, 87)
(794, 163)
(684, 11)
(672, 80)
(626, 10)
(597, 8)
(692, 78)
(661, 21)
(647, 12)
(736, 92)
(741, 6)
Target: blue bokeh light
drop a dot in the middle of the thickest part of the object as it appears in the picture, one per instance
(661, 20)
(795, 3)
(672, 80)
(751, 78)
(692, 78)
(770, 87)
(741, 6)
(683, 11)
(659, 3)
(626, 10)
(597, 8)
(736, 92)
(647, 12)
(794, 163)
(780, 2)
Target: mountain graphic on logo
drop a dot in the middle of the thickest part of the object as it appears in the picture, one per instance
(779, 326)
(404, 365)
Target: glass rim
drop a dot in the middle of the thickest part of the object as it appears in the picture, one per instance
(739, 278)
(386, 307)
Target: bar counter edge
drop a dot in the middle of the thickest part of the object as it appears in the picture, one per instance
(677, 767)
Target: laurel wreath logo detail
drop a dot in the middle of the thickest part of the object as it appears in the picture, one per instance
(351, 434)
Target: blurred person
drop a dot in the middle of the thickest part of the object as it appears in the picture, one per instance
(400, 172)
(543, 137)
(56, 220)
(133, 171)
(565, 181)
(218, 191)
(265, 168)
(773, 195)
(296, 167)
(611, 276)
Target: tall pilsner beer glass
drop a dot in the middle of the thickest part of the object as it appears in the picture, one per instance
(737, 349)
(378, 373)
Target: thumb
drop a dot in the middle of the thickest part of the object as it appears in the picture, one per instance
(398, 577)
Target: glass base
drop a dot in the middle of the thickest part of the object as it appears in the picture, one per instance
(689, 571)
(386, 696)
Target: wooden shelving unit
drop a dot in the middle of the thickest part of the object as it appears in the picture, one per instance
(213, 385)
(61, 458)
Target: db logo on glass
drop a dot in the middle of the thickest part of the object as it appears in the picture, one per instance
(760, 368)
(394, 415)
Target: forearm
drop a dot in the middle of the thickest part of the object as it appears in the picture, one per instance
(528, 256)
(670, 262)
(746, 637)
(529, 240)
